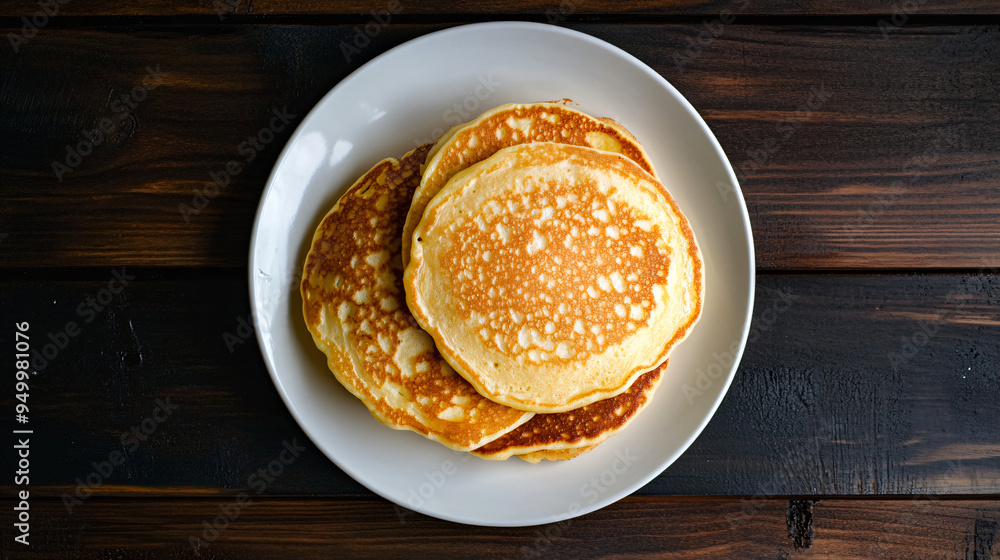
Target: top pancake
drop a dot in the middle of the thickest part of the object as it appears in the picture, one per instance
(509, 125)
(552, 276)
(353, 305)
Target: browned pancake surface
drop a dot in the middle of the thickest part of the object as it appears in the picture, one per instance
(583, 428)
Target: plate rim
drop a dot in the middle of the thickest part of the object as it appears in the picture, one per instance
(268, 191)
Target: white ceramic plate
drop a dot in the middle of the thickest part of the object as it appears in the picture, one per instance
(399, 100)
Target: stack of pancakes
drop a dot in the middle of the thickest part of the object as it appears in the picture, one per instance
(513, 289)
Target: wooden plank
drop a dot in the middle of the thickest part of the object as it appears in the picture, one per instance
(746, 527)
(837, 185)
(551, 10)
(850, 385)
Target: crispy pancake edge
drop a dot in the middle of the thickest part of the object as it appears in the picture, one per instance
(636, 398)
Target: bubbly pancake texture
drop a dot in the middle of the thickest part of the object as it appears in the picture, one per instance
(585, 427)
(353, 305)
(510, 125)
(552, 276)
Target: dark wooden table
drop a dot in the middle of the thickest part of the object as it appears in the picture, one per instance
(864, 419)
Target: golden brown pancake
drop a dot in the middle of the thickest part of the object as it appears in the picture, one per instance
(509, 125)
(354, 306)
(554, 436)
(555, 455)
(552, 276)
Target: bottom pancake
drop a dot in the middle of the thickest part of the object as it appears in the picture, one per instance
(555, 436)
(555, 454)
(354, 307)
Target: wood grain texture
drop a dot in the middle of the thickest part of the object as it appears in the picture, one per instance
(854, 149)
(549, 9)
(746, 527)
(850, 386)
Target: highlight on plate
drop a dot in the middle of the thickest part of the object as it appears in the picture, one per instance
(514, 289)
